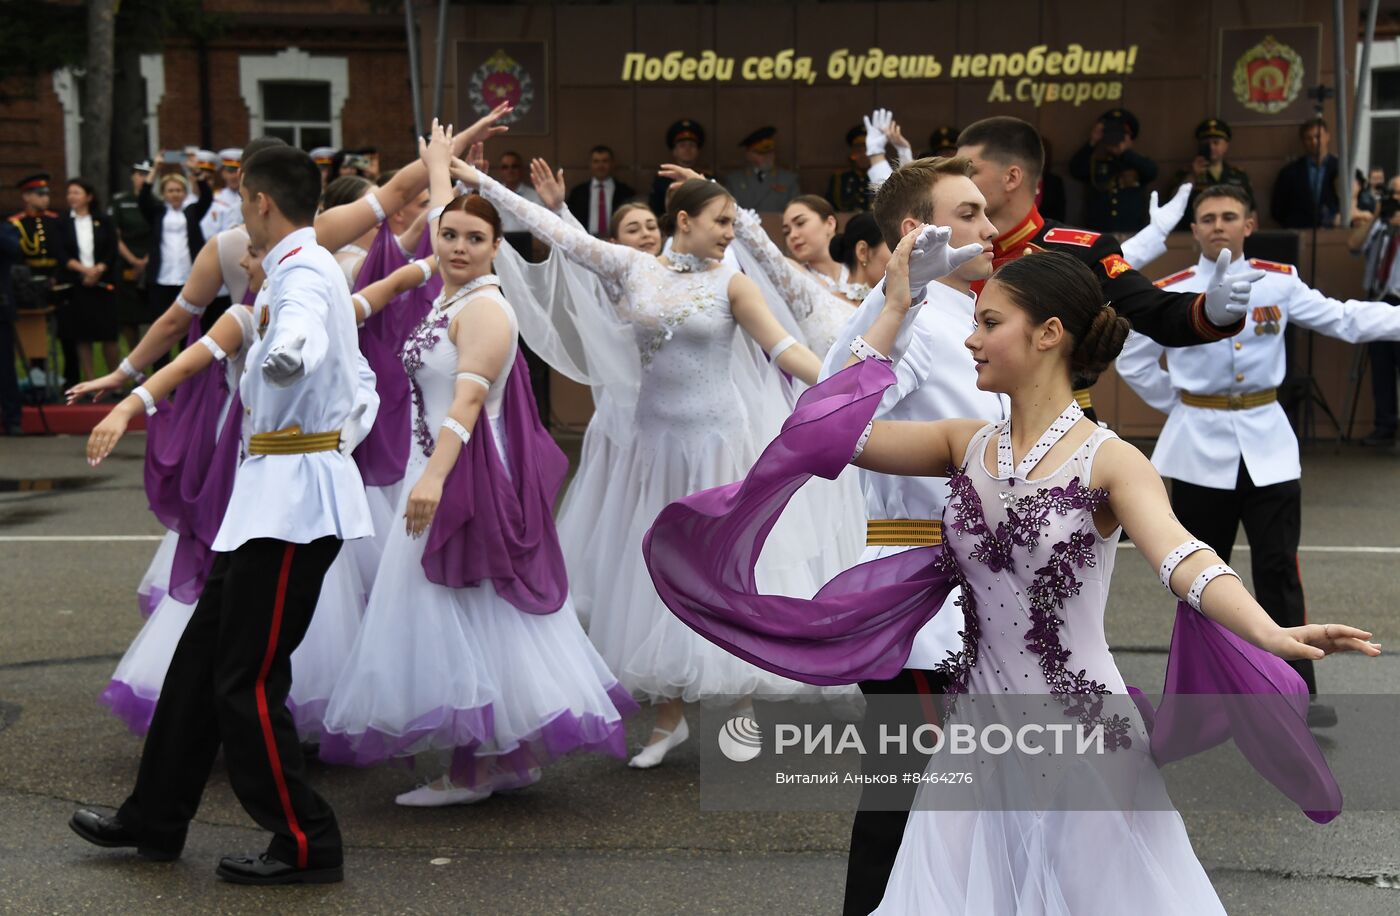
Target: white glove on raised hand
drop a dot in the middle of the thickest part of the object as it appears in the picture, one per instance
(1227, 298)
(932, 259)
(1165, 218)
(876, 123)
(283, 363)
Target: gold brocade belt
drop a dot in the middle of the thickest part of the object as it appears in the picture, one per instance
(903, 532)
(1231, 401)
(1081, 397)
(291, 441)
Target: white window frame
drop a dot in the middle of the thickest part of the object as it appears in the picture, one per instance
(1385, 55)
(292, 65)
(296, 126)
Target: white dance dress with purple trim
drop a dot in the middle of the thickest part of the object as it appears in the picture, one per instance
(1034, 572)
(135, 685)
(691, 413)
(459, 671)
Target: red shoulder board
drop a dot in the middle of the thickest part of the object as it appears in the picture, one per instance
(1175, 278)
(290, 253)
(1275, 266)
(1065, 236)
(1115, 266)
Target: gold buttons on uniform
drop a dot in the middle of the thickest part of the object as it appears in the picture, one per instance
(1238, 345)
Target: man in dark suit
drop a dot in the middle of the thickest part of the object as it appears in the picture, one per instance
(684, 139)
(593, 202)
(1307, 181)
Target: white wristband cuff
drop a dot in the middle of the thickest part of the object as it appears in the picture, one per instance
(1174, 559)
(782, 347)
(362, 307)
(212, 347)
(434, 213)
(864, 438)
(423, 265)
(1209, 574)
(131, 371)
(481, 380)
(145, 396)
(195, 310)
(457, 428)
(863, 350)
(377, 207)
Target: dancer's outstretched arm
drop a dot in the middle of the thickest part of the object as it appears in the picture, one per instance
(206, 277)
(1138, 501)
(752, 313)
(226, 336)
(375, 297)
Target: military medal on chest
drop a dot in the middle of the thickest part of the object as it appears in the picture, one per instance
(1267, 318)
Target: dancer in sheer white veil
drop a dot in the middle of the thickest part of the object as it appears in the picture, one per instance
(694, 403)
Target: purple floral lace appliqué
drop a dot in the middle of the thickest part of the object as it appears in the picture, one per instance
(423, 339)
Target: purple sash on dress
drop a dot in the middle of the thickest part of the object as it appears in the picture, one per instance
(702, 550)
(498, 526)
(383, 454)
(190, 464)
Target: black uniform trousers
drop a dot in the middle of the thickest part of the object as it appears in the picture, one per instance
(11, 407)
(1385, 365)
(227, 685)
(910, 698)
(1273, 521)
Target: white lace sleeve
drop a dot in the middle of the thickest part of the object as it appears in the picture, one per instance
(801, 291)
(608, 261)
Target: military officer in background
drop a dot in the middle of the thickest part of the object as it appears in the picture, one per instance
(1116, 175)
(226, 212)
(324, 157)
(39, 250)
(134, 247)
(684, 139)
(942, 142)
(1227, 445)
(762, 186)
(1209, 168)
(850, 192)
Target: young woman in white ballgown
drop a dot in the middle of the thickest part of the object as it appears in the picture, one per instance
(492, 671)
(704, 399)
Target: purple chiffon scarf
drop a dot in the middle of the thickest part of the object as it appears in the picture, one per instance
(383, 454)
(191, 459)
(497, 526)
(702, 551)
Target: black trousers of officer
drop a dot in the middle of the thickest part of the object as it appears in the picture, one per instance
(227, 685)
(910, 698)
(11, 407)
(1273, 520)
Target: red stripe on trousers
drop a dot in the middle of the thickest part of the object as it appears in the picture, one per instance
(261, 691)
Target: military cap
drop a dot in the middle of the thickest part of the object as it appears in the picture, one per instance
(231, 158)
(208, 159)
(36, 182)
(856, 135)
(1213, 127)
(761, 140)
(1126, 118)
(945, 137)
(143, 166)
(685, 129)
(322, 155)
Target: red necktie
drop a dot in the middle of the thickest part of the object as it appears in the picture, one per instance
(1383, 278)
(602, 211)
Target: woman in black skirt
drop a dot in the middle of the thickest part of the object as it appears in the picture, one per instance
(89, 239)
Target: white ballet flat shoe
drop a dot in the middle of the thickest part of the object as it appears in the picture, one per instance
(511, 781)
(653, 754)
(440, 793)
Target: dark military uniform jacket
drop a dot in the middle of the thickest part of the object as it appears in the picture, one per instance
(132, 226)
(1116, 199)
(40, 245)
(850, 191)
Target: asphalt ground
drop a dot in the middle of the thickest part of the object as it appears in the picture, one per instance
(593, 836)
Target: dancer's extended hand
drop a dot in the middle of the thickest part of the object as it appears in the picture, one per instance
(106, 434)
(483, 130)
(112, 381)
(549, 185)
(436, 149)
(1227, 298)
(1318, 640)
(876, 123)
(465, 172)
(897, 292)
(932, 259)
(284, 362)
(422, 504)
(678, 173)
(1165, 217)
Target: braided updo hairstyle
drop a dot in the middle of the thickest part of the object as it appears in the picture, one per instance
(1051, 284)
(861, 228)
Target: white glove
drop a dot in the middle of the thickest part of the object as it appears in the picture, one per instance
(283, 363)
(1227, 299)
(932, 259)
(1164, 219)
(875, 125)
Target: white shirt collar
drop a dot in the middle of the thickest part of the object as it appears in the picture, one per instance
(296, 239)
(1206, 265)
(605, 182)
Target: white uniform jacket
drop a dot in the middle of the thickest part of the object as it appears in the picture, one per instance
(1203, 445)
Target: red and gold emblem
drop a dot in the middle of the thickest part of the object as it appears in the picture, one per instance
(1065, 236)
(1115, 266)
(1268, 76)
(501, 79)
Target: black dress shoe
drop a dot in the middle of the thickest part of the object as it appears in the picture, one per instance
(101, 830)
(266, 870)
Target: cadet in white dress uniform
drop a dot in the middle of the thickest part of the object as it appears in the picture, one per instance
(1227, 444)
(295, 498)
